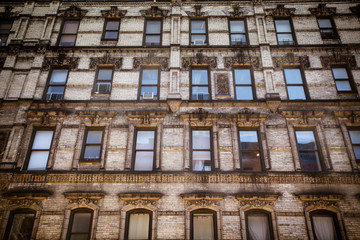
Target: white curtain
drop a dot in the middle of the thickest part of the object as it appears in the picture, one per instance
(258, 227)
(324, 227)
(203, 226)
(139, 226)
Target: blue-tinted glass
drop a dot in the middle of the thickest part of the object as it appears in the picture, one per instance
(145, 140)
(244, 93)
(58, 76)
(111, 35)
(355, 136)
(340, 73)
(296, 92)
(149, 90)
(248, 140)
(55, 93)
(92, 152)
(199, 77)
(293, 76)
(152, 40)
(282, 26)
(284, 39)
(238, 38)
(237, 26)
(144, 161)
(305, 140)
(198, 27)
(105, 74)
(150, 77)
(242, 76)
(324, 23)
(94, 137)
(153, 27)
(198, 39)
(310, 161)
(343, 85)
(201, 139)
(112, 25)
(200, 93)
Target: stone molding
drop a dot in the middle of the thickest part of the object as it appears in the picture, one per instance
(236, 12)
(302, 117)
(281, 11)
(163, 62)
(247, 117)
(199, 60)
(290, 59)
(96, 116)
(140, 199)
(46, 116)
(84, 198)
(202, 199)
(7, 13)
(320, 200)
(222, 84)
(106, 60)
(338, 58)
(154, 12)
(25, 200)
(356, 10)
(62, 60)
(72, 12)
(114, 12)
(200, 117)
(174, 105)
(350, 116)
(256, 200)
(146, 117)
(197, 12)
(241, 60)
(322, 10)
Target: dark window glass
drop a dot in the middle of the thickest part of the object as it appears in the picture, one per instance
(199, 85)
(138, 225)
(342, 81)
(57, 83)
(68, 33)
(294, 84)
(284, 32)
(20, 225)
(93, 144)
(325, 225)
(258, 226)
(249, 151)
(327, 29)
(80, 225)
(243, 84)
(5, 27)
(201, 150)
(237, 32)
(355, 141)
(40, 150)
(144, 151)
(308, 151)
(111, 30)
(149, 84)
(198, 32)
(103, 81)
(153, 33)
(203, 225)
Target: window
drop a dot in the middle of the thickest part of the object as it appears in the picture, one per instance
(111, 30)
(203, 224)
(103, 80)
(40, 150)
(199, 85)
(355, 141)
(237, 32)
(68, 33)
(308, 151)
(149, 84)
(57, 83)
(244, 87)
(249, 150)
(294, 84)
(284, 32)
(198, 32)
(5, 26)
(80, 224)
(343, 82)
(258, 225)
(92, 145)
(138, 224)
(153, 33)
(201, 150)
(144, 150)
(20, 225)
(327, 29)
(325, 225)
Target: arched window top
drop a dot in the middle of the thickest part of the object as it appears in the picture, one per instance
(20, 224)
(138, 224)
(258, 225)
(80, 224)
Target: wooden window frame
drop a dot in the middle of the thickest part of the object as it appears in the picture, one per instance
(245, 34)
(135, 150)
(103, 38)
(11, 219)
(145, 34)
(252, 85)
(156, 97)
(353, 144)
(350, 78)
(258, 211)
(203, 210)
(206, 42)
(211, 148)
(84, 145)
(127, 221)
(304, 83)
(260, 149)
(71, 221)
(3, 44)
(99, 81)
(56, 85)
(294, 42)
(62, 29)
(333, 28)
(208, 85)
(328, 213)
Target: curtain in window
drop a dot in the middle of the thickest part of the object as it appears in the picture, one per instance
(324, 227)
(258, 227)
(203, 226)
(139, 226)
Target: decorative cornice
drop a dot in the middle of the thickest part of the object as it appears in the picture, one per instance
(222, 84)
(202, 199)
(242, 60)
(302, 117)
(247, 117)
(25, 199)
(256, 199)
(200, 117)
(96, 116)
(72, 12)
(146, 117)
(199, 60)
(140, 199)
(46, 116)
(154, 11)
(281, 11)
(105, 60)
(320, 200)
(62, 60)
(348, 115)
(163, 62)
(356, 10)
(236, 12)
(197, 12)
(84, 198)
(338, 58)
(322, 10)
(114, 12)
(291, 59)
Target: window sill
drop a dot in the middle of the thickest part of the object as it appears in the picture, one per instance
(109, 42)
(100, 96)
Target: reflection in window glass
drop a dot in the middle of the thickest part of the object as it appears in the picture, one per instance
(308, 152)
(249, 151)
(103, 81)
(57, 84)
(201, 150)
(342, 80)
(355, 141)
(149, 84)
(20, 226)
(237, 32)
(93, 144)
(199, 85)
(284, 32)
(243, 84)
(68, 33)
(327, 30)
(111, 30)
(198, 32)
(153, 33)
(294, 84)
(40, 150)
(144, 151)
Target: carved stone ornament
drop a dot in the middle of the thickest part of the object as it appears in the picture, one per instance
(62, 60)
(25, 200)
(84, 198)
(140, 199)
(14, 50)
(222, 84)
(200, 117)
(174, 105)
(146, 117)
(356, 10)
(350, 116)
(72, 12)
(202, 199)
(338, 58)
(41, 49)
(241, 60)
(281, 11)
(154, 11)
(320, 200)
(105, 60)
(114, 12)
(291, 59)
(96, 117)
(199, 60)
(256, 200)
(46, 116)
(151, 60)
(322, 10)
(236, 12)
(247, 117)
(302, 117)
(7, 13)
(197, 13)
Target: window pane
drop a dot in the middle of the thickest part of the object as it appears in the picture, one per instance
(238, 38)
(324, 228)
(81, 223)
(111, 35)
(94, 137)
(199, 77)
(285, 38)
(296, 92)
(305, 140)
(55, 93)
(5, 26)
(139, 226)
(105, 74)
(355, 136)
(258, 227)
(58, 77)
(112, 25)
(343, 85)
(203, 226)
(198, 39)
(242, 76)
(70, 27)
(149, 77)
(152, 40)
(201, 139)
(38, 160)
(153, 27)
(357, 152)
(198, 27)
(42, 140)
(92, 152)
(145, 140)
(324, 23)
(237, 27)
(67, 40)
(293, 76)
(249, 140)
(144, 161)
(340, 73)
(22, 226)
(251, 161)
(78, 236)
(310, 161)
(282, 26)
(201, 161)
(149, 90)
(244, 93)
(200, 93)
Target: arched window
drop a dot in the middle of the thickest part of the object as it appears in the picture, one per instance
(138, 224)
(80, 224)
(325, 225)
(203, 225)
(20, 224)
(258, 225)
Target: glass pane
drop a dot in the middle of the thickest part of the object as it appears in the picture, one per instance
(111, 35)
(42, 139)
(3, 40)
(293, 76)
(238, 39)
(112, 25)
(92, 152)
(83, 236)
(282, 26)
(242, 76)
(201, 161)
(144, 161)
(139, 226)
(285, 39)
(258, 227)
(324, 23)
(244, 93)
(152, 40)
(105, 74)
(201, 139)
(296, 93)
(250, 161)
(357, 152)
(145, 140)
(70, 27)
(153, 27)
(199, 77)
(38, 160)
(237, 27)
(200, 93)
(324, 227)
(310, 161)
(343, 86)
(198, 39)
(149, 77)
(355, 136)
(55, 93)
(81, 223)
(198, 27)
(249, 140)
(94, 137)
(305, 140)
(149, 90)
(22, 226)
(340, 73)
(203, 226)
(58, 77)
(67, 40)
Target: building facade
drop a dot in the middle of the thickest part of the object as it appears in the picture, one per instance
(179, 119)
